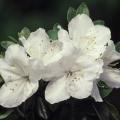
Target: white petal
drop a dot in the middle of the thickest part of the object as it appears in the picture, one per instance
(39, 71)
(68, 46)
(9, 73)
(59, 68)
(94, 42)
(37, 43)
(79, 25)
(95, 93)
(15, 56)
(111, 77)
(60, 48)
(110, 54)
(53, 53)
(14, 93)
(56, 91)
(35, 67)
(90, 68)
(63, 35)
(78, 87)
(84, 72)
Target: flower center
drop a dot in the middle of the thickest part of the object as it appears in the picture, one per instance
(69, 73)
(26, 77)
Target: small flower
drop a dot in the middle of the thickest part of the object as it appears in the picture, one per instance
(16, 71)
(111, 74)
(111, 70)
(91, 39)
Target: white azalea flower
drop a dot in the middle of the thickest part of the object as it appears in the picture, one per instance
(77, 80)
(90, 38)
(111, 74)
(15, 70)
(41, 49)
(78, 73)
(73, 64)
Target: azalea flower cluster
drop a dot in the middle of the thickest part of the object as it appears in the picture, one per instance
(72, 64)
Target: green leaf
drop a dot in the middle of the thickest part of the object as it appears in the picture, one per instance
(13, 39)
(99, 22)
(5, 44)
(1, 56)
(53, 34)
(114, 114)
(117, 46)
(6, 114)
(55, 26)
(104, 89)
(24, 32)
(82, 9)
(71, 13)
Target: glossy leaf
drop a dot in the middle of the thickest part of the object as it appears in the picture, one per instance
(118, 46)
(55, 26)
(99, 22)
(71, 13)
(24, 32)
(82, 9)
(12, 39)
(113, 111)
(53, 34)
(104, 89)
(6, 44)
(6, 114)
(42, 111)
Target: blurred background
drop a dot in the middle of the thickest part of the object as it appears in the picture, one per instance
(16, 14)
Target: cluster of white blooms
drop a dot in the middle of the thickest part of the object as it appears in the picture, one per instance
(73, 64)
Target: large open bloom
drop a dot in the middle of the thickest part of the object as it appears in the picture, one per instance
(111, 70)
(16, 71)
(77, 80)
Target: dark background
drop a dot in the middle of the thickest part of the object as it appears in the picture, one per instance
(16, 14)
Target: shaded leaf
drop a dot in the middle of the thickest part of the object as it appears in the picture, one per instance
(82, 9)
(24, 32)
(117, 46)
(104, 89)
(99, 22)
(1, 56)
(5, 114)
(114, 114)
(13, 39)
(53, 34)
(71, 13)
(42, 111)
(6, 44)
(101, 111)
(55, 26)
